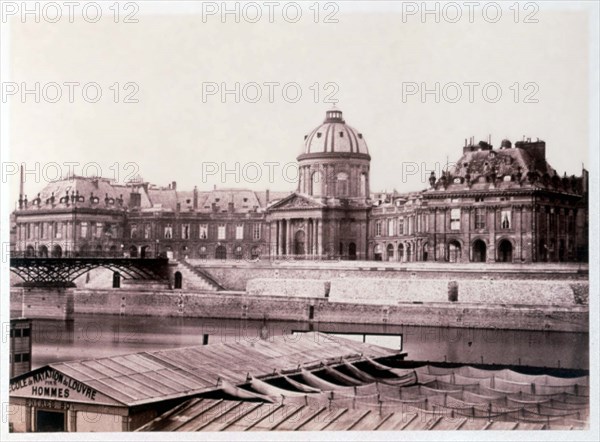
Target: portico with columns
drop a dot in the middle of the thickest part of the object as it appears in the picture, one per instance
(327, 216)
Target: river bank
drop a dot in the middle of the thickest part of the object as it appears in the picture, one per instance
(64, 303)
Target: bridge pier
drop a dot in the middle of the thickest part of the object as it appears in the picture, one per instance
(42, 302)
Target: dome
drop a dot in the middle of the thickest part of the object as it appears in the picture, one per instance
(334, 135)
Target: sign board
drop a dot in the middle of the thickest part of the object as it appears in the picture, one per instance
(51, 384)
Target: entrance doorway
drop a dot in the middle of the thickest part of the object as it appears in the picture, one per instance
(479, 251)
(221, 252)
(505, 250)
(454, 251)
(178, 280)
(352, 251)
(299, 238)
(49, 421)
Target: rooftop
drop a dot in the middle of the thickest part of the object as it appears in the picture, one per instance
(146, 377)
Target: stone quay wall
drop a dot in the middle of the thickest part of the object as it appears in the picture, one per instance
(227, 305)
(234, 275)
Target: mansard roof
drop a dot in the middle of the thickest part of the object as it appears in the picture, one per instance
(82, 192)
(483, 168)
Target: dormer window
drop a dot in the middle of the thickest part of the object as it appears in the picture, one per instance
(360, 136)
(245, 200)
(318, 134)
(341, 134)
(217, 200)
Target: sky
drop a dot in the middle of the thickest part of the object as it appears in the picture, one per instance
(375, 61)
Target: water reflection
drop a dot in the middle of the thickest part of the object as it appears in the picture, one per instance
(89, 336)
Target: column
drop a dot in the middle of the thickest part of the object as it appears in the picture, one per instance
(315, 248)
(305, 224)
(320, 238)
(289, 242)
(273, 226)
(281, 242)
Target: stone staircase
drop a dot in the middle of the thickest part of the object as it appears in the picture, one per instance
(194, 279)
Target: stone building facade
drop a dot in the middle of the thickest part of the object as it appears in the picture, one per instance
(493, 205)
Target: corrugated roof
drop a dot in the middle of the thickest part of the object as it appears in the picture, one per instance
(146, 377)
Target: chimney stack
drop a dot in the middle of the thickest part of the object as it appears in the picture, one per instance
(195, 198)
(174, 185)
(22, 184)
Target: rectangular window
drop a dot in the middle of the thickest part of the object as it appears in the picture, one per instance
(185, 231)
(390, 227)
(256, 231)
(400, 226)
(455, 219)
(221, 231)
(480, 218)
(168, 231)
(506, 219)
(203, 231)
(42, 230)
(147, 231)
(133, 231)
(99, 230)
(84, 229)
(378, 228)
(239, 231)
(411, 223)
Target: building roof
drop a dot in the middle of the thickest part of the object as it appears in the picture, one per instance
(334, 135)
(81, 192)
(147, 377)
(481, 168)
(439, 398)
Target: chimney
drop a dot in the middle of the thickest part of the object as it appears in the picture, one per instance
(174, 185)
(195, 200)
(22, 184)
(230, 205)
(267, 197)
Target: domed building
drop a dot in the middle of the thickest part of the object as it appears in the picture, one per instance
(327, 215)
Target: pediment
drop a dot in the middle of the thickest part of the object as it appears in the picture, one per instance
(297, 201)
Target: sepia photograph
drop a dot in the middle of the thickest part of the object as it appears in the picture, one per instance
(309, 220)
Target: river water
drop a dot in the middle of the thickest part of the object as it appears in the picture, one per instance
(93, 336)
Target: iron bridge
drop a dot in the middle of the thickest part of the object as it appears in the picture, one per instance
(44, 270)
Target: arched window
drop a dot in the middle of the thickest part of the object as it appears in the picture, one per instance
(378, 252)
(316, 183)
(341, 184)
